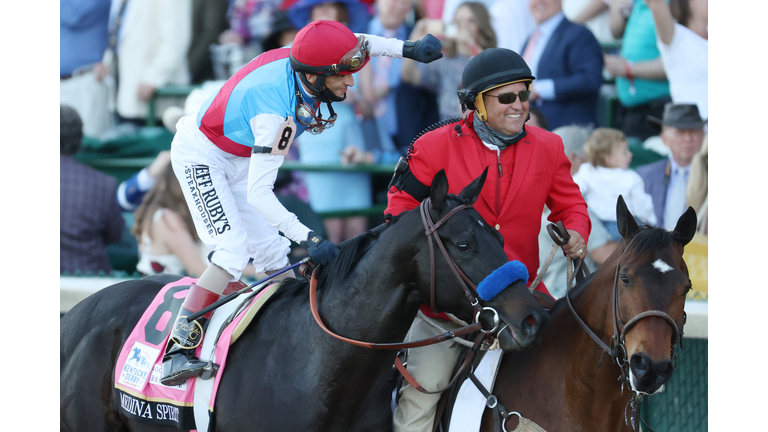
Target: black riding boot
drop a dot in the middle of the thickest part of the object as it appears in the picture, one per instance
(179, 362)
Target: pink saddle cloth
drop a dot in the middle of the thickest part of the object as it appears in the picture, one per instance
(137, 374)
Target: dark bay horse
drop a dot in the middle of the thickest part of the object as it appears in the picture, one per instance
(285, 373)
(634, 305)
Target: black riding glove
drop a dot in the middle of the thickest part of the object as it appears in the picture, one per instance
(423, 50)
(320, 250)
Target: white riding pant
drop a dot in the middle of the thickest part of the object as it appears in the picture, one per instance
(431, 366)
(214, 184)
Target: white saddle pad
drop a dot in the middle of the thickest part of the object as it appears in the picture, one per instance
(204, 388)
(470, 403)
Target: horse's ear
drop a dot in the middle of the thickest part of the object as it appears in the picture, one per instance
(686, 227)
(470, 193)
(439, 190)
(624, 219)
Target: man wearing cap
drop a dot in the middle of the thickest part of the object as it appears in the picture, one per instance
(227, 154)
(527, 169)
(682, 130)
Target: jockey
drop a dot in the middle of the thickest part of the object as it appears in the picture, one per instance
(227, 154)
(528, 170)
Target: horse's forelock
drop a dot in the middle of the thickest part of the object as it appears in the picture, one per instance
(647, 241)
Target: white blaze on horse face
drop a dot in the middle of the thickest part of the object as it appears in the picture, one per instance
(662, 266)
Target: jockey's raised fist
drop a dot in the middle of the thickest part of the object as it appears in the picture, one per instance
(423, 50)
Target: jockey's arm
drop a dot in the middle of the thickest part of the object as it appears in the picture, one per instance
(262, 174)
(380, 46)
(425, 50)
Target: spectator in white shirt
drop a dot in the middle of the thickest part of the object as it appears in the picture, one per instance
(684, 46)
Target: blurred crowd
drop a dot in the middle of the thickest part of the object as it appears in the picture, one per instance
(612, 76)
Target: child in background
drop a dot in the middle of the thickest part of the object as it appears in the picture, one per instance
(606, 175)
(164, 231)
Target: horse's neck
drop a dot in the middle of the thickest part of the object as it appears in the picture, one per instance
(379, 299)
(589, 366)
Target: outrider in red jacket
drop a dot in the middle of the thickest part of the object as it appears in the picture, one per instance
(522, 178)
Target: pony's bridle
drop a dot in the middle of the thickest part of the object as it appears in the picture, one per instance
(618, 351)
(620, 329)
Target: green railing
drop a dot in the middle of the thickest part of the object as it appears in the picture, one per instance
(683, 406)
(177, 91)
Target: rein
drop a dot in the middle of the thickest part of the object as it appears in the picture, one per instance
(398, 345)
(431, 232)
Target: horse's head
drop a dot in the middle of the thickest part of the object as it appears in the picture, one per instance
(650, 285)
(475, 250)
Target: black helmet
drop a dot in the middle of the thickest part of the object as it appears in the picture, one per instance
(492, 68)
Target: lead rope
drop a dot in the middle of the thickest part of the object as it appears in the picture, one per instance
(545, 267)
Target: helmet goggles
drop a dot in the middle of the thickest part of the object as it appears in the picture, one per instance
(351, 62)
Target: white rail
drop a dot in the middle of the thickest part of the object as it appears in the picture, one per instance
(75, 289)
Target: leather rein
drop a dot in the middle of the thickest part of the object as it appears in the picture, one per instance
(431, 232)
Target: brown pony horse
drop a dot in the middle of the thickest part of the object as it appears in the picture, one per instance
(633, 305)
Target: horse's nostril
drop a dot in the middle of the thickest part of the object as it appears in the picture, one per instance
(530, 325)
(639, 364)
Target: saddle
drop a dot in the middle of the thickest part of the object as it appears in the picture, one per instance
(139, 366)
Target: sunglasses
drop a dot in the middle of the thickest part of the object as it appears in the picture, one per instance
(508, 98)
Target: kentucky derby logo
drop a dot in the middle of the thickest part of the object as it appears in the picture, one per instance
(138, 365)
(206, 200)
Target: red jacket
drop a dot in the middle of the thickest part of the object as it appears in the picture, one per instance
(521, 179)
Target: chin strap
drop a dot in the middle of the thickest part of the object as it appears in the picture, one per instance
(322, 92)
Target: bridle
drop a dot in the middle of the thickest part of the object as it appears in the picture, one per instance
(430, 229)
(618, 350)
(485, 335)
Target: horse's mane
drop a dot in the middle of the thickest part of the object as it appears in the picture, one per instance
(350, 252)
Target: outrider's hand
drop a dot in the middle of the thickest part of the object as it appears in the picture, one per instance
(320, 250)
(423, 50)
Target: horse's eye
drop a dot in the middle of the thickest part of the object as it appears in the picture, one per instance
(624, 280)
(463, 246)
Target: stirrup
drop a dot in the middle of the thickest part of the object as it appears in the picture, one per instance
(178, 368)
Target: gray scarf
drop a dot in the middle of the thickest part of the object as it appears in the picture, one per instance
(495, 137)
